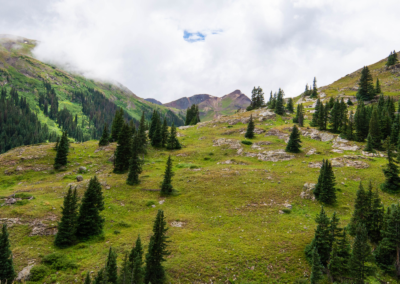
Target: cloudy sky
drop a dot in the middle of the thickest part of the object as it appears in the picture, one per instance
(168, 49)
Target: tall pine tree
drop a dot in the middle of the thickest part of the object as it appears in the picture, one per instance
(7, 272)
(166, 186)
(250, 129)
(294, 143)
(117, 124)
(279, 107)
(391, 172)
(135, 164)
(361, 257)
(111, 268)
(173, 142)
(366, 90)
(123, 151)
(62, 152)
(316, 267)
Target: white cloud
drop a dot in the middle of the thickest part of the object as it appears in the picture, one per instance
(249, 43)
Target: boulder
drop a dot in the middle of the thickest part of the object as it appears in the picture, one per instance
(280, 135)
(11, 201)
(312, 151)
(79, 178)
(275, 156)
(185, 127)
(307, 192)
(82, 169)
(232, 143)
(24, 274)
(315, 165)
(317, 135)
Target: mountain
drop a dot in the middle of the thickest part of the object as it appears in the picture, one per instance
(81, 106)
(212, 107)
(154, 101)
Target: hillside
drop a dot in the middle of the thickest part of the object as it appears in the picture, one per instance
(212, 107)
(245, 209)
(154, 101)
(33, 79)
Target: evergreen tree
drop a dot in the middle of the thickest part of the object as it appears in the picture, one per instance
(391, 172)
(136, 259)
(173, 142)
(361, 257)
(322, 239)
(392, 59)
(316, 114)
(125, 273)
(339, 258)
(250, 129)
(62, 152)
(316, 268)
(335, 117)
(100, 277)
(378, 87)
(7, 272)
(192, 115)
(87, 279)
(299, 118)
(164, 133)
(123, 151)
(366, 90)
(90, 223)
(369, 147)
(395, 131)
(111, 267)
(155, 121)
(105, 137)
(157, 252)
(289, 105)
(334, 228)
(157, 137)
(325, 190)
(132, 127)
(279, 107)
(294, 143)
(361, 210)
(135, 164)
(166, 186)
(117, 124)
(314, 93)
(361, 122)
(350, 127)
(349, 102)
(65, 236)
(142, 136)
(376, 217)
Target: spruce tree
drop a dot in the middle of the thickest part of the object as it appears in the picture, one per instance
(157, 138)
(294, 143)
(349, 102)
(336, 265)
(157, 252)
(62, 152)
(100, 277)
(300, 115)
(135, 164)
(111, 267)
(90, 223)
(132, 127)
(366, 89)
(361, 257)
(173, 142)
(123, 151)
(322, 239)
(361, 122)
(395, 131)
(155, 120)
(391, 172)
(316, 268)
(105, 137)
(65, 236)
(361, 210)
(376, 218)
(289, 105)
(125, 273)
(7, 272)
(378, 87)
(87, 279)
(117, 124)
(325, 190)
(339, 261)
(250, 129)
(316, 115)
(334, 228)
(335, 117)
(314, 93)
(142, 136)
(350, 127)
(136, 260)
(166, 186)
(164, 133)
(279, 107)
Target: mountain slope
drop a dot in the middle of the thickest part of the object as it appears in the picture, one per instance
(154, 101)
(32, 78)
(211, 107)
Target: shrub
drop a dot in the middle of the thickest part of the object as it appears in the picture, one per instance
(116, 232)
(22, 202)
(206, 158)
(287, 211)
(246, 142)
(229, 126)
(123, 224)
(211, 154)
(38, 272)
(149, 203)
(58, 261)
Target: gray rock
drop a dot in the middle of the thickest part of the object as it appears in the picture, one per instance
(24, 274)
(307, 192)
(82, 169)
(11, 201)
(79, 178)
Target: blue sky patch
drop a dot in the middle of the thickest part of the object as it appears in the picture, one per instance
(193, 37)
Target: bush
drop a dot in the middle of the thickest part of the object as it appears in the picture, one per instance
(149, 203)
(286, 211)
(123, 224)
(246, 142)
(22, 202)
(206, 158)
(229, 126)
(211, 154)
(116, 232)
(249, 108)
(38, 272)
(58, 261)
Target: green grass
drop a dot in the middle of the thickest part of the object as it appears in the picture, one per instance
(230, 212)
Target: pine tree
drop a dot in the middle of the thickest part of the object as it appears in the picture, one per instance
(366, 90)
(361, 210)
(395, 131)
(157, 137)
(62, 152)
(316, 268)
(279, 107)
(7, 272)
(300, 115)
(125, 273)
(100, 277)
(136, 259)
(314, 93)
(322, 239)
(340, 257)
(123, 151)
(369, 146)
(391, 172)
(350, 127)
(157, 252)
(173, 142)
(132, 127)
(164, 133)
(105, 137)
(155, 120)
(111, 267)
(376, 217)
(325, 190)
(315, 118)
(142, 136)
(135, 164)
(294, 143)
(166, 186)
(361, 257)
(192, 115)
(250, 129)
(65, 236)
(87, 279)
(349, 102)
(378, 87)
(335, 231)
(90, 223)
(335, 117)
(289, 105)
(117, 124)
(361, 122)
(335, 265)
